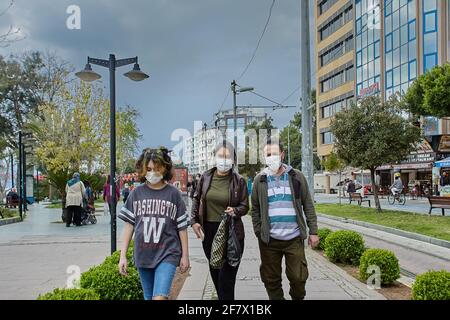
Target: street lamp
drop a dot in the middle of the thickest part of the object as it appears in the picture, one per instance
(89, 75)
(235, 92)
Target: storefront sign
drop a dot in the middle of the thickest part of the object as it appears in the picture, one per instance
(420, 157)
(372, 89)
(444, 144)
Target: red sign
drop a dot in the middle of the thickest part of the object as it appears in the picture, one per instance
(180, 178)
(374, 88)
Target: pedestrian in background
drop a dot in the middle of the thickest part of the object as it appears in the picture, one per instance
(125, 192)
(107, 197)
(74, 200)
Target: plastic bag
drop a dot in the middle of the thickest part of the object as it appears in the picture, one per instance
(219, 244)
(234, 250)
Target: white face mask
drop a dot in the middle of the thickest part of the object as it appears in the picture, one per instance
(224, 165)
(273, 163)
(153, 177)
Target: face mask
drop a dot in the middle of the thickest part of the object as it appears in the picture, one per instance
(273, 163)
(223, 165)
(153, 177)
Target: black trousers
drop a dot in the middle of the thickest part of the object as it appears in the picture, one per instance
(73, 213)
(225, 278)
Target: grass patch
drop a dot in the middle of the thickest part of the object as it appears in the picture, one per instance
(432, 226)
(8, 213)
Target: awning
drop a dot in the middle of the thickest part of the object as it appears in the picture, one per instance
(444, 163)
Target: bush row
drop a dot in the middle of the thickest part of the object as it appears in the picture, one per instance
(104, 282)
(348, 247)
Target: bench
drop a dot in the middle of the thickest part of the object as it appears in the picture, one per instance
(354, 196)
(439, 202)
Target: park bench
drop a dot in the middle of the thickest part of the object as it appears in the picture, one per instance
(439, 202)
(354, 196)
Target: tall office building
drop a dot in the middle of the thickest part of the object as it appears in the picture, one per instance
(335, 65)
(390, 43)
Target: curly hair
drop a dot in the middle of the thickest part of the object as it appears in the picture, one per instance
(160, 158)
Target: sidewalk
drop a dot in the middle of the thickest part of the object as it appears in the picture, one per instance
(326, 281)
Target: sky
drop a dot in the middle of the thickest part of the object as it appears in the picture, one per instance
(192, 50)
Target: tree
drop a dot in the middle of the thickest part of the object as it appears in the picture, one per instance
(291, 138)
(13, 34)
(127, 138)
(332, 163)
(252, 169)
(429, 95)
(372, 133)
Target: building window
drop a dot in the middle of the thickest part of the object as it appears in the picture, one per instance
(400, 47)
(430, 34)
(331, 109)
(327, 137)
(325, 5)
(335, 24)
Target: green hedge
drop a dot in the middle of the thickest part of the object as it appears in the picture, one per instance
(70, 294)
(385, 260)
(106, 280)
(344, 246)
(432, 285)
(323, 234)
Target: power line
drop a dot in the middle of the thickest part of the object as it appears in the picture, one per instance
(259, 41)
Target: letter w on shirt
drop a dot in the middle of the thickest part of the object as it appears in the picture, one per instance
(155, 228)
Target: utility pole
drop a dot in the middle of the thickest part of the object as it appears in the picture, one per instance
(305, 85)
(24, 177)
(289, 144)
(205, 142)
(233, 88)
(19, 177)
(12, 170)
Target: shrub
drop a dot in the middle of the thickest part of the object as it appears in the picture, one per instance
(385, 260)
(70, 294)
(115, 257)
(344, 246)
(323, 234)
(106, 280)
(432, 285)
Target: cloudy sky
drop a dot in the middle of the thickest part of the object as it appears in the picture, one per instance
(192, 50)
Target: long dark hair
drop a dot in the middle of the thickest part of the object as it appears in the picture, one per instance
(160, 158)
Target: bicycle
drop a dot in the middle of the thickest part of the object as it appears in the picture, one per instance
(399, 196)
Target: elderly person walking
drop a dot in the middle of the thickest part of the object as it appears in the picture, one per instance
(74, 200)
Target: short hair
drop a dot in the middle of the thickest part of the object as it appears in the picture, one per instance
(271, 141)
(160, 158)
(227, 145)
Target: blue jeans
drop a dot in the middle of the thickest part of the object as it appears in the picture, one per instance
(157, 281)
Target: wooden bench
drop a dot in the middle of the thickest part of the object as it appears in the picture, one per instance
(354, 196)
(439, 202)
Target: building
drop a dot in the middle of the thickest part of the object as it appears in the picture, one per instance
(394, 41)
(334, 47)
(199, 149)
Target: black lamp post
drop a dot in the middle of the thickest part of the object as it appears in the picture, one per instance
(89, 75)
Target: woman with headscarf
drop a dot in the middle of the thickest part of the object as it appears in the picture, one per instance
(74, 200)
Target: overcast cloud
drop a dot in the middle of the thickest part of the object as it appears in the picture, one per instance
(192, 50)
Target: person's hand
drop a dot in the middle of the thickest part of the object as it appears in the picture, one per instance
(123, 264)
(198, 230)
(184, 264)
(230, 211)
(313, 240)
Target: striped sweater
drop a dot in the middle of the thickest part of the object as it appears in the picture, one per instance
(282, 215)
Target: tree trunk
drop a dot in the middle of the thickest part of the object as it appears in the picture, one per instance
(375, 190)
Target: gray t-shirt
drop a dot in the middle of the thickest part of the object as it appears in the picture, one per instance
(157, 217)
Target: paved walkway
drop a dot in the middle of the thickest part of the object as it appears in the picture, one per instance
(415, 257)
(326, 281)
(35, 254)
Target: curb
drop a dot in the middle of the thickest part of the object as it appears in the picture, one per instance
(6, 221)
(406, 234)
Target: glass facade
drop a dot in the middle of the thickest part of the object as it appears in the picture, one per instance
(430, 34)
(400, 45)
(367, 30)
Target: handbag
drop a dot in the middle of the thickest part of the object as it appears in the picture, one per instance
(219, 244)
(234, 250)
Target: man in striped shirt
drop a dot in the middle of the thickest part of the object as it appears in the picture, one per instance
(280, 205)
